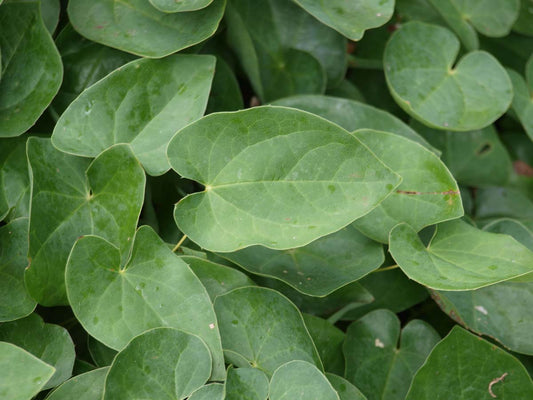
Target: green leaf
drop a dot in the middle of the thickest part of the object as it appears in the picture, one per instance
(216, 278)
(300, 380)
(15, 302)
(318, 268)
(172, 6)
(353, 115)
(373, 361)
(50, 10)
(31, 69)
(262, 328)
(514, 228)
(463, 365)
(524, 22)
(427, 195)
(281, 185)
(14, 179)
(100, 353)
(352, 18)
(498, 202)
(23, 375)
(87, 386)
(459, 256)
(423, 80)
(246, 384)
(213, 391)
(162, 363)
(284, 50)
(137, 27)
(85, 63)
(225, 92)
(328, 340)
(142, 103)
(475, 158)
(523, 97)
(51, 343)
(115, 302)
(344, 388)
(73, 197)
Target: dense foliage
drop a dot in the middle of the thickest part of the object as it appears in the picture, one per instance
(266, 199)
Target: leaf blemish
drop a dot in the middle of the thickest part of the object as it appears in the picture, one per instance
(494, 381)
(482, 310)
(379, 343)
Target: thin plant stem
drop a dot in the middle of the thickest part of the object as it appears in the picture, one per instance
(179, 243)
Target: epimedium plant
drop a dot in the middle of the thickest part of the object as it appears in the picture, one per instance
(277, 199)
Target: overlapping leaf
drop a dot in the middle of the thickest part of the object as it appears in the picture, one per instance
(287, 177)
(31, 68)
(87, 386)
(524, 22)
(328, 340)
(172, 6)
(459, 256)
(14, 179)
(213, 391)
(72, 197)
(523, 96)
(138, 27)
(424, 81)
(246, 384)
(142, 103)
(116, 301)
(344, 388)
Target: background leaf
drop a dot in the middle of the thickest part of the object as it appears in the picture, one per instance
(246, 384)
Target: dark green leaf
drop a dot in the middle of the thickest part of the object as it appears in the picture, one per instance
(246, 384)
(328, 340)
(344, 388)
(14, 179)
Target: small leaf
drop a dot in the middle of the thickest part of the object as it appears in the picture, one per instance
(328, 340)
(246, 384)
(137, 27)
(51, 343)
(100, 353)
(281, 178)
(72, 197)
(15, 302)
(344, 388)
(373, 361)
(154, 288)
(172, 6)
(459, 256)
(427, 195)
(463, 365)
(319, 268)
(467, 96)
(14, 179)
(50, 10)
(350, 18)
(262, 328)
(523, 97)
(31, 70)
(524, 22)
(162, 363)
(300, 380)
(23, 375)
(87, 386)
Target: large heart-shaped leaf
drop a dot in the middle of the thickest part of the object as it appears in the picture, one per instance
(153, 288)
(523, 96)
(87, 386)
(459, 256)
(465, 366)
(262, 328)
(51, 343)
(300, 380)
(72, 197)
(284, 50)
(162, 363)
(15, 302)
(318, 268)
(23, 375)
(287, 177)
(246, 384)
(373, 361)
(14, 179)
(427, 195)
(353, 115)
(142, 103)
(351, 18)
(423, 80)
(138, 27)
(31, 67)
(172, 6)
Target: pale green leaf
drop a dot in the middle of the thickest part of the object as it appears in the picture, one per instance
(464, 366)
(23, 375)
(115, 302)
(51, 343)
(162, 363)
(459, 256)
(72, 197)
(424, 81)
(351, 18)
(142, 103)
(300, 380)
(274, 176)
(87, 386)
(31, 67)
(381, 367)
(213, 391)
(246, 384)
(137, 27)
(262, 328)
